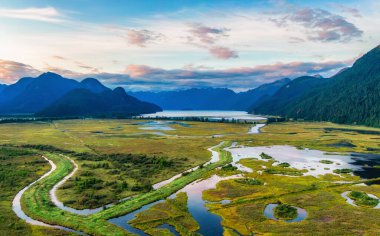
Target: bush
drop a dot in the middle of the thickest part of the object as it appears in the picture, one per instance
(326, 162)
(229, 167)
(363, 199)
(284, 164)
(285, 211)
(250, 181)
(265, 156)
(343, 171)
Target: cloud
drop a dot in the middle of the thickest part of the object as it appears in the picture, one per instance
(11, 71)
(142, 37)
(143, 77)
(150, 78)
(320, 25)
(47, 14)
(350, 10)
(141, 70)
(223, 53)
(205, 37)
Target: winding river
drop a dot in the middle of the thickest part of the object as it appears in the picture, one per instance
(16, 204)
(210, 224)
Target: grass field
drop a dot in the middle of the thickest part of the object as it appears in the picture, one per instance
(109, 150)
(101, 179)
(18, 168)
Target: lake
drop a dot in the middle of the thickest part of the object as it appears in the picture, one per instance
(213, 115)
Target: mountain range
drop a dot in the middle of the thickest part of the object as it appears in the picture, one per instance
(352, 96)
(210, 98)
(2, 87)
(49, 91)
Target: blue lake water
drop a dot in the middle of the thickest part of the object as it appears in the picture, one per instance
(217, 115)
(210, 224)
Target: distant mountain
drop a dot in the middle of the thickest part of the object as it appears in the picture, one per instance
(2, 87)
(245, 100)
(32, 95)
(82, 102)
(209, 98)
(190, 99)
(93, 85)
(12, 91)
(278, 102)
(352, 96)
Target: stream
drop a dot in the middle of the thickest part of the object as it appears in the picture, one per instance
(16, 204)
(210, 224)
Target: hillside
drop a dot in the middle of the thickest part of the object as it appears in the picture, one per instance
(82, 102)
(352, 96)
(278, 102)
(2, 87)
(245, 100)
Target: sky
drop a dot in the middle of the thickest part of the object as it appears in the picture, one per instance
(168, 45)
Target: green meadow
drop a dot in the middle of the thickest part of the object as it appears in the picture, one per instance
(118, 159)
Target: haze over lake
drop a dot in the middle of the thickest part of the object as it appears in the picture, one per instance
(206, 113)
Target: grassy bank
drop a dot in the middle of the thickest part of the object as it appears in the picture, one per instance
(36, 201)
(18, 168)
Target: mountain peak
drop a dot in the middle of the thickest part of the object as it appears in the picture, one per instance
(119, 91)
(49, 75)
(93, 85)
(90, 80)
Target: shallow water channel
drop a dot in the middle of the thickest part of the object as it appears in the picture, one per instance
(210, 224)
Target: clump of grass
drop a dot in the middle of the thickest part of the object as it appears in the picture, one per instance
(284, 164)
(229, 167)
(265, 156)
(250, 181)
(343, 171)
(284, 172)
(285, 212)
(326, 162)
(362, 199)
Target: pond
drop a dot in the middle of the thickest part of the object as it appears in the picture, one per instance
(350, 201)
(155, 125)
(269, 213)
(363, 165)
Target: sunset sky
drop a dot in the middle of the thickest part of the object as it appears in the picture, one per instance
(165, 45)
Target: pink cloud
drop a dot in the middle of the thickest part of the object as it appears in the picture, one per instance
(142, 37)
(11, 71)
(140, 70)
(321, 25)
(223, 53)
(205, 34)
(206, 37)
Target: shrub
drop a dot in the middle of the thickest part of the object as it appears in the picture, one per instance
(265, 156)
(250, 181)
(326, 162)
(284, 164)
(285, 211)
(229, 167)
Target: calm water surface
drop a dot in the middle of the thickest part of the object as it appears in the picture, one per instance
(209, 114)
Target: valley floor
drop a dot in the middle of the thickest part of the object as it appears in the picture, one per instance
(124, 158)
